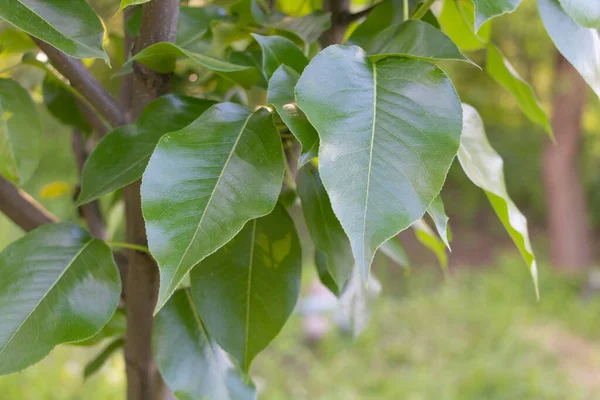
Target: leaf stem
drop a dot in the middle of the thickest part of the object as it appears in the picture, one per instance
(405, 10)
(130, 246)
(421, 11)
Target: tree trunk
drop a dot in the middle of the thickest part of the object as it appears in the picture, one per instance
(571, 244)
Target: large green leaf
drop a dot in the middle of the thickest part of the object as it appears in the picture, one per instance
(246, 290)
(414, 39)
(483, 166)
(503, 72)
(121, 157)
(161, 57)
(62, 104)
(389, 131)
(585, 12)
(20, 133)
(71, 26)
(204, 182)
(325, 230)
(277, 50)
(281, 96)
(191, 362)
(57, 285)
(456, 20)
(579, 45)
(488, 9)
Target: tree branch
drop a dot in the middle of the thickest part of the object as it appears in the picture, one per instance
(339, 10)
(85, 83)
(22, 208)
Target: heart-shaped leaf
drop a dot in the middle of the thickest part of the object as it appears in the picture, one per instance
(277, 50)
(389, 131)
(585, 12)
(57, 285)
(488, 9)
(204, 182)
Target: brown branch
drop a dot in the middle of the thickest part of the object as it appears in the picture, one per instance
(339, 10)
(81, 79)
(21, 208)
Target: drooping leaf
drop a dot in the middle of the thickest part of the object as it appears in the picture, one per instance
(246, 290)
(20, 133)
(585, 12)
(394, 250)
(127, 3)
(357, 301)
(161, 57)
(194, 23)
(503, 72)
(324, 274)
(483, 167)
(204, 182)
(71, 26)
(62, 104)
(57, 285)
(429, 239)
(281, 95)
(440, 219)
(579, 45)
(93, 366)
(189, 360)
(389, 131)
(488, 9)
(277, 50)
(414, 39)
(325, 230)
(121, 157)
(456, 20)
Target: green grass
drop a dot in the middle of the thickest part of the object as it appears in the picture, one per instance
(481, 335)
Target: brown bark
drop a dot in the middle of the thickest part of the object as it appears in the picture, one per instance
(21, 208)
(571, 243)
(340, 19)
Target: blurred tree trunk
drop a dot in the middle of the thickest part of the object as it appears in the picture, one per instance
(570, 241)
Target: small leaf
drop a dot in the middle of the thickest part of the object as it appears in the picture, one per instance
(62, 104)
(161, 57)
(127, 3)
(71, 26)
(20, 133)
(57, 285)
(194, 23)
(456, 20)
(121, 157)
(204, 182)
(325, 230)
(389, 131)
(483, 167)
(429, 239)
(585, 12)
(93, 366)
(440, 219)
(580, 46)
(281, 96)
(246, 290)
(357, 301)
(116, 327)
(503, 72)
(394, 250)
(192, 363)
(488, 9)
(277, 50)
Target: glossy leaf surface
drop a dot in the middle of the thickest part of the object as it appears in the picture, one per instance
(189, 360)
(277, 50)
(204, 182)
(20, 133)
(488, 9)
(579, 45)
(57, 285)
(503, 72)
(246, 290)
(456, 20)
(585, 12)
(121, 157)
(484, 167)
(281, 95)
(71, 26)
(325, 230)
(389, 131)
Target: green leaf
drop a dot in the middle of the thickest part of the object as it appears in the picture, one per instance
(389, 131)
(440, 219)
(394, 250)
(121, 157)
(585, 12)
(246, 290)
(62, 104)
(15, 41)
(325, 230)
(127, 3)
(456, 20)
(204, 182)
(277, 50)
(93, 366)
(57, 285)
(580, 46)
(503, 72)
(71, 26)
(20, 133)
(413, 39)
(429, 239)
(194, 23)
(324, 274)
(483, 167)
(281, 96)
(488, 9)
(116, 327)
(161, 57)
(192, 363)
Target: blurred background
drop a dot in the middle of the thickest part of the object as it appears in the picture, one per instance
(477, 333)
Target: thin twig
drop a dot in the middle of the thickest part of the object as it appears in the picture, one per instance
(21, 208)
